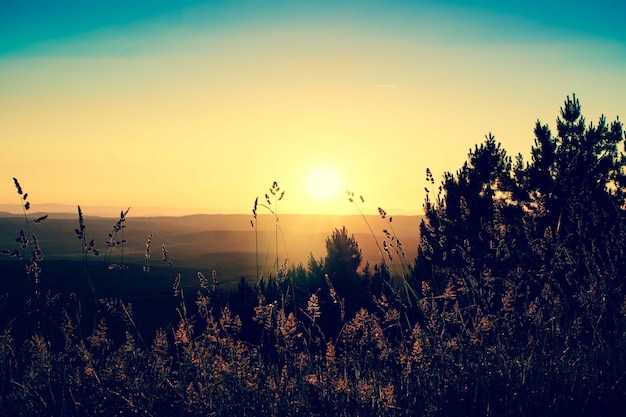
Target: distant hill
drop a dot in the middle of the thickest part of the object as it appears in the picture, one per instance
(211, 241)
(104, 211)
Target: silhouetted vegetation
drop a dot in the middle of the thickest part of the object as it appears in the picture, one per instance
(514, 306)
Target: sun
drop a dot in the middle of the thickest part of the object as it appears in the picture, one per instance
(323, 183)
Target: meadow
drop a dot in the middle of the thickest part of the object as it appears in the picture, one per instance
(200, 243)
(178, 341)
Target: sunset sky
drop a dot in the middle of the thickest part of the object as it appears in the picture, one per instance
(175, 107)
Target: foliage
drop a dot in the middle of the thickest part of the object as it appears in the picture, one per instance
(528, 261)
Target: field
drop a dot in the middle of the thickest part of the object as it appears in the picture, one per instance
(200, 243)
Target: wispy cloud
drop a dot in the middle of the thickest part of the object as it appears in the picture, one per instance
(384, 85)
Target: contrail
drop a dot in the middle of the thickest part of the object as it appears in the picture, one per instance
(384, 85)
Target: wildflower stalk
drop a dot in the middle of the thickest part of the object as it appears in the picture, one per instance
(23, 203)
(146, 267)
(396, 244)
(176, 287)
(351, 200)
(274, 191)
(393, 238)
(253, 222)
(113, 241)
(29, 249)
(86, 249)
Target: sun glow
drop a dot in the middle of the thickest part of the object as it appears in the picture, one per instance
(323, 183)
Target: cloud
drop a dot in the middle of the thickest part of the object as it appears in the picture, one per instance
(384, 85)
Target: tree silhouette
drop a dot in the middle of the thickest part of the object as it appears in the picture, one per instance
(581, 165)
(533, 253)
(572, 192)
(473, 223)
(343, 258)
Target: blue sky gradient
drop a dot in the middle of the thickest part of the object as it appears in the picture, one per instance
(226, 97)
(24, 24)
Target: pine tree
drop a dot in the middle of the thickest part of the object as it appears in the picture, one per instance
(473, 222)
(573, 194)
(343, 258)
(533, 256)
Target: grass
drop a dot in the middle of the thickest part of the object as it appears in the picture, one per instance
(180, 342)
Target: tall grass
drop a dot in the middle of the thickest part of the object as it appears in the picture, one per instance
(393, 244)
(223, 356)
(115, 242)
(272, 198)
(29, 251)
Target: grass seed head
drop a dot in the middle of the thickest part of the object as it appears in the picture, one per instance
(17, 186)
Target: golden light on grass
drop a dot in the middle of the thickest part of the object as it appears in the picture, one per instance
(323, 183)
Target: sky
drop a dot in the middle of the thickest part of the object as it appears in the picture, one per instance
(188, 106)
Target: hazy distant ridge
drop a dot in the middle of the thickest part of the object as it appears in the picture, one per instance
(193, 237)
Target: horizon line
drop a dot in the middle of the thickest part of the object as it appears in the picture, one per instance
(110, 211)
